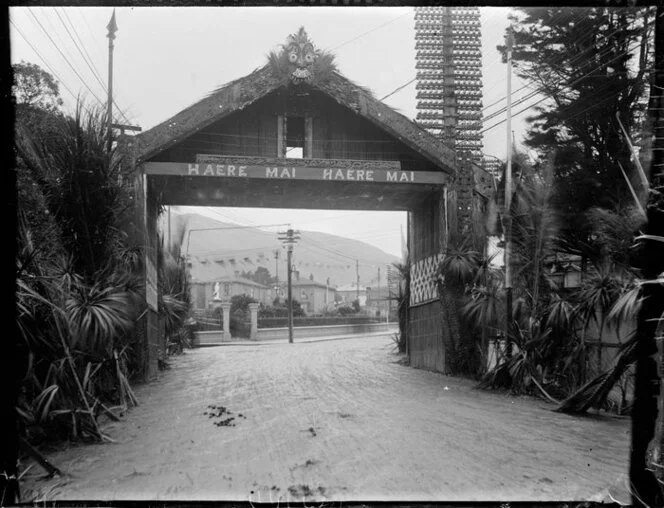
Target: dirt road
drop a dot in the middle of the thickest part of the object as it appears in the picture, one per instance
(336, 420)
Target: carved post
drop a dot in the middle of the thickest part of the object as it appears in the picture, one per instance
(253, 309)
(282, 135)
(226, 310)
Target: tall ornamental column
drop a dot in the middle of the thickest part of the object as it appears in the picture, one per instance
(226, 310)
(253, 309)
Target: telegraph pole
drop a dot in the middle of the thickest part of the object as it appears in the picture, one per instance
(508, 190)
(357, 271)
(290, 294)
(290, 238)
(169, 226)
(112, 27)
(378, 285)
(276, 270)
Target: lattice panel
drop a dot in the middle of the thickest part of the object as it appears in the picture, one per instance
(423, 280)
(449, 78)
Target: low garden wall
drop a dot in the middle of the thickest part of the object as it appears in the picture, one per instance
(305, 332)
(215, 337)
(282, 322)
(210, 338)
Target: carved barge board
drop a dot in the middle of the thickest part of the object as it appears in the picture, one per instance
(312, 163)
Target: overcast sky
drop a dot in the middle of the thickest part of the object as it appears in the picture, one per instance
(169, 57)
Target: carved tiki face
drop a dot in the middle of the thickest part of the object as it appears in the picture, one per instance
(301, 57)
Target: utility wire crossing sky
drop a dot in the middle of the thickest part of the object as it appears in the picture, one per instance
(165, 59)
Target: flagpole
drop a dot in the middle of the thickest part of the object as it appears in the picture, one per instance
(112, 27)
(508, 191)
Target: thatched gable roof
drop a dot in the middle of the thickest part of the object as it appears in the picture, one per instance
(242, 92)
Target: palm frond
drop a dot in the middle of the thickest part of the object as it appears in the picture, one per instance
(97, 316)
(460, 262)
(598, 293)
(42, 404)
(626, 307)
(484, 306)
(560, 314)
(595, 391)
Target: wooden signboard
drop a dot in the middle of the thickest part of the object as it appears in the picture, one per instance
(298, 169)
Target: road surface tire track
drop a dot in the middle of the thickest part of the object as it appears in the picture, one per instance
(402, 436)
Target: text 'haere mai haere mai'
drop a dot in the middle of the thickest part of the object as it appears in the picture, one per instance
(368, 175)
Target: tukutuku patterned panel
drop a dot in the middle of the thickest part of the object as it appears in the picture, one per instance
(423, 280)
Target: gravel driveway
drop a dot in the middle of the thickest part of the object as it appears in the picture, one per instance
(336, 420)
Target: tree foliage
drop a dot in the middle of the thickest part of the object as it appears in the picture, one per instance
(261, 275)
(590, 64)
(240, 304)
(547, 349)
(35, 89)
(80, 290)
(79, 184)
(37, 100)
(279, 308)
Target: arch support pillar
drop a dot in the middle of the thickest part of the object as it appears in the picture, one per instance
(253, 310)
(226, 320)
(154, 336)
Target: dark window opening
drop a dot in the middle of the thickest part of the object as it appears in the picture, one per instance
(295, 137)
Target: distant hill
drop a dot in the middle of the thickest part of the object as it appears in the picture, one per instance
(220, 253)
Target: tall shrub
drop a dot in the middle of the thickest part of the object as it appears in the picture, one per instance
(77, 298)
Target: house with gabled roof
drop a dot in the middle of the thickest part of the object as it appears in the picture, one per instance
(314, 296)
(207, 285)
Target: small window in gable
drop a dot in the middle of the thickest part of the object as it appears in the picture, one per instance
(295, 137)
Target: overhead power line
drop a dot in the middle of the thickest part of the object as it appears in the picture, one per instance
(557, 17)
(569, 84)
(414, 79)
(573, 61)
(64, 57)
(42, 58)
(67, 60)
(398, 89)
(588, 36)
(86, 58)
(529, 84)
(53, 72)
(90, 65)
(370, 31)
